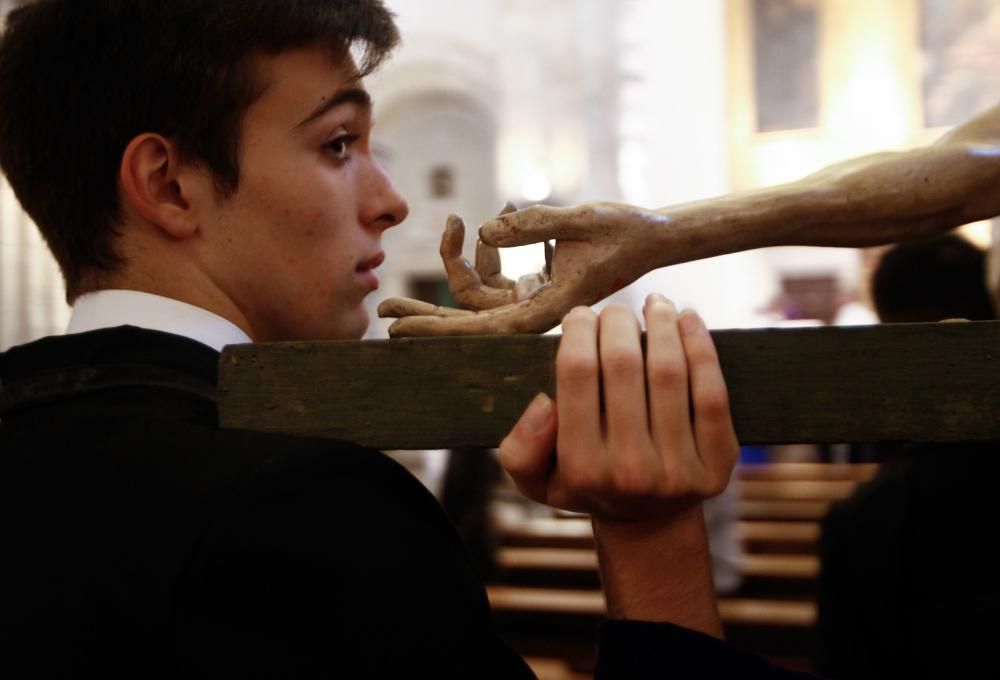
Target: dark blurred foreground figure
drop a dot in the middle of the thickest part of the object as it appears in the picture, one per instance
(908, 584)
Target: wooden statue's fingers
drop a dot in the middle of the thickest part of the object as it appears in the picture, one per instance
(535, 224)
(523, 317)
(464, 281)
(488, 263)
(453, 238)
(488, 267)
(500, 282)
(484, 298)
(487, 259)
(543, 311)
(461, 276)
(433, 326)
(397, 308)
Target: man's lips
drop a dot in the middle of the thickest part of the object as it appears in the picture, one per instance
(366, 273)
(371, 263)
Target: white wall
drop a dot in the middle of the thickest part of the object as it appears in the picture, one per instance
(674, 149)
(32, 295)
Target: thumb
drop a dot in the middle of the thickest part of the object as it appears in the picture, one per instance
(526, 453)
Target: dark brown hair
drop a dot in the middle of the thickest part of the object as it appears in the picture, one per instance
(80, 80)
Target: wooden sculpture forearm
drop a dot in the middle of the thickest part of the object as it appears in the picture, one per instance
(872, 200)
(602, 247)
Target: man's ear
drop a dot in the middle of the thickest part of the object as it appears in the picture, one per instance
(156, 183)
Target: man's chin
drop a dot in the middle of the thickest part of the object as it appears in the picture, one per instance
(350, 327)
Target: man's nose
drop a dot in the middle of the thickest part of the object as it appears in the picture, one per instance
(385, 207)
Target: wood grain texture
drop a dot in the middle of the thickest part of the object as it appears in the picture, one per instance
(911, 382)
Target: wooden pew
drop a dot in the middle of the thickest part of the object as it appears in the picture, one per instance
(785, 538)
(855, 472)
(550, 582)
(583, 560)
(549, 532)
(734, 611)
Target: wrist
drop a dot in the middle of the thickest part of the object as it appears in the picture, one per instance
(683, 531)
(659, 570)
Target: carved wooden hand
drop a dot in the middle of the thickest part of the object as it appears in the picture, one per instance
(598, 251)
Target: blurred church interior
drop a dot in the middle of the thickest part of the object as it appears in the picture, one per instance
(650, 102)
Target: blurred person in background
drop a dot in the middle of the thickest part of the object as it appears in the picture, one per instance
(908, 584)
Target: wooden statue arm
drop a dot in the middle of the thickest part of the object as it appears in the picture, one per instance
(602, 247)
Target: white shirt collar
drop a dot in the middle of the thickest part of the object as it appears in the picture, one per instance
(111, 308)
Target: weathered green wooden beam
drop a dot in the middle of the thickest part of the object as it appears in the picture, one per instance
(919, 382)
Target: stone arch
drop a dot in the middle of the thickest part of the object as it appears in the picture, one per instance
(432, 116)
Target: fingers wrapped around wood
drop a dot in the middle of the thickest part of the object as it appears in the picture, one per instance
(639, 438)
(714, 434)
(527, 452)
(667, 381)
(580, 474)
(632, 459)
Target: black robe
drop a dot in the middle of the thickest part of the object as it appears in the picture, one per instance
(141, 540)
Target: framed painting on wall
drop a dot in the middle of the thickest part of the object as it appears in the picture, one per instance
(786, 35)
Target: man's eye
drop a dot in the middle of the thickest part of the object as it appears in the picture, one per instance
(341, 146)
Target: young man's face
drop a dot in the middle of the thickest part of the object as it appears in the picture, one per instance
(299, 238)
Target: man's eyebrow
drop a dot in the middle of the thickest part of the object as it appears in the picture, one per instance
(354, 95)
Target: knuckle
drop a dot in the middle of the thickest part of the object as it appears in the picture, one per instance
(665, 374)
(621, 361)
(676, 481)
(713, 406)
(581, 480)
(633, 480)
(576, 367)
(580, 320)
(711, 486)
(561, 497)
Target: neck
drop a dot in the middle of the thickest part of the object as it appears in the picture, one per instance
(178, 279)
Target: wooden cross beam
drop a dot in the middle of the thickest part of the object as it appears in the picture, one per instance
(913, 382)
